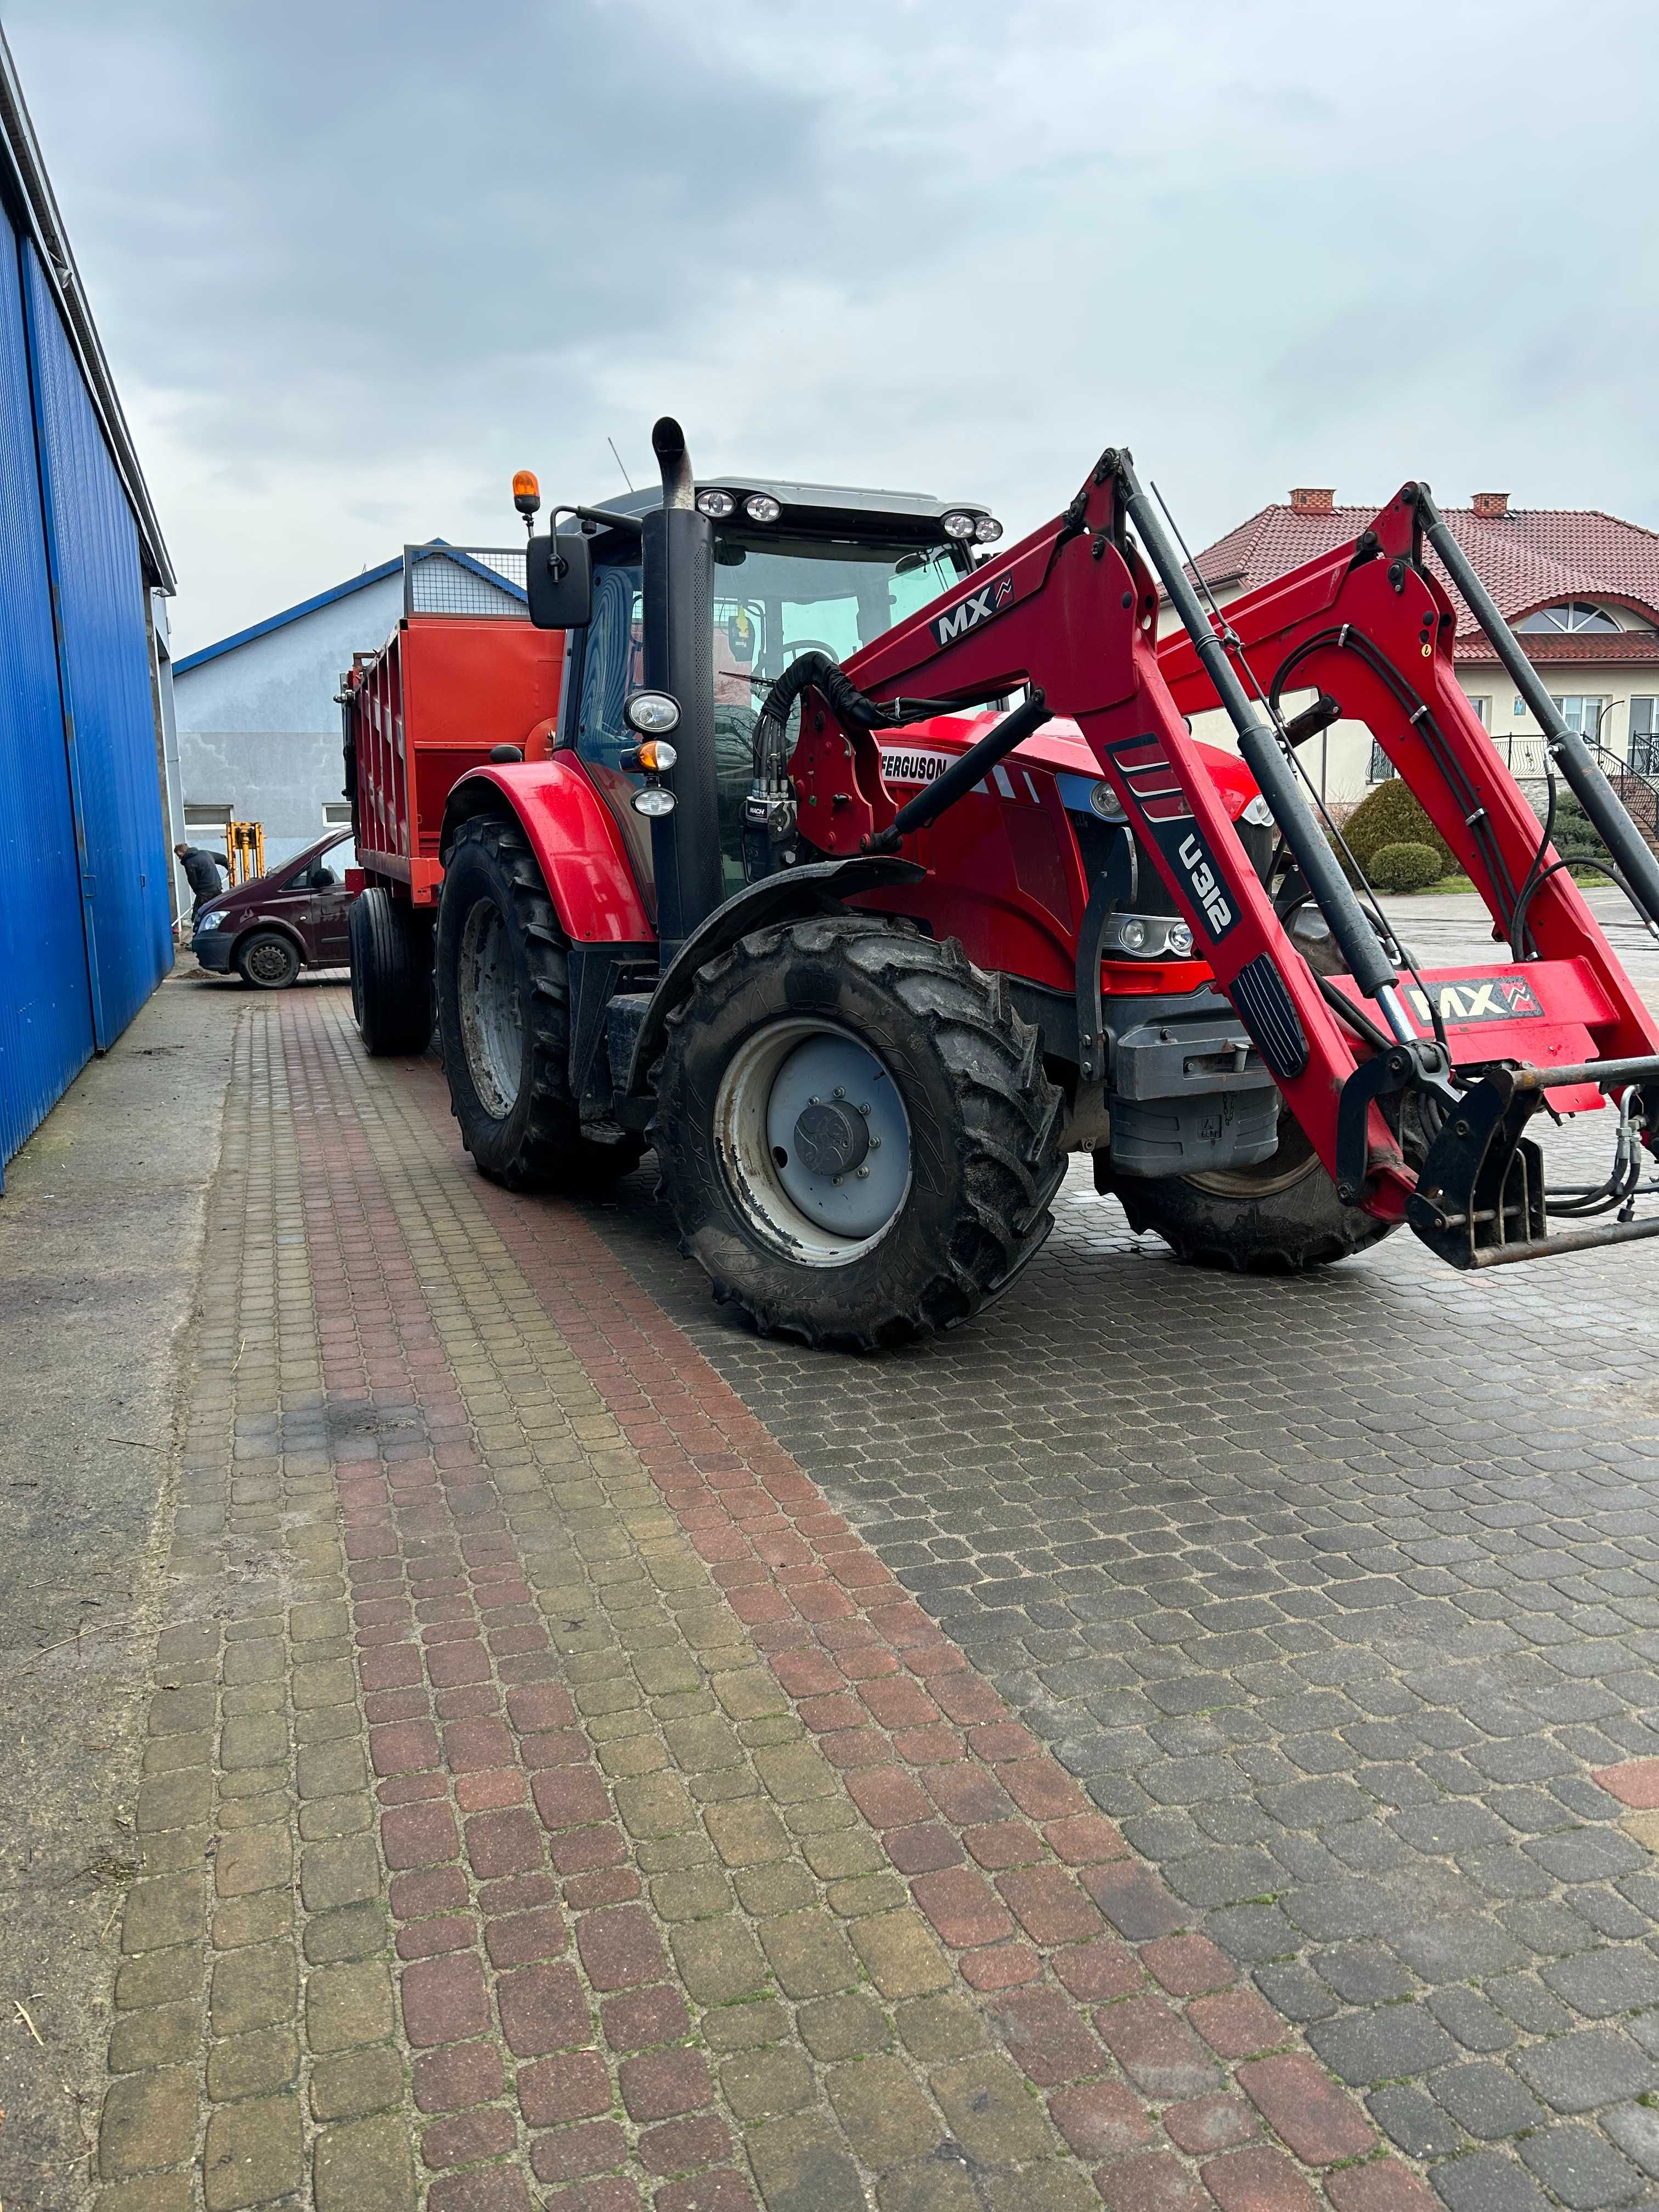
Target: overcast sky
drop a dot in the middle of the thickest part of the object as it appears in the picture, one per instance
(354, 263)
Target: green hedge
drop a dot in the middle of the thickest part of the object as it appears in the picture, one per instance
(1390, 815)
(1405, 867)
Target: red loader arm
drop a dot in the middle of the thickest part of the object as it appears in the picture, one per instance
(1072, 611)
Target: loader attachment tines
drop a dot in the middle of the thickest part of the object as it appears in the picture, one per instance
(1480, 1200)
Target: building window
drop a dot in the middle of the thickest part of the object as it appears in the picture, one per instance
(1644, 736)
(1382, 767)
(1520, 709)
(336, 813)
(1585, 712)
(1577, 616)
(206, 817)
(1482, 711)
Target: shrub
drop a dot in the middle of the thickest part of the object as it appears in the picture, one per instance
(1390, 815)
(1405, 867)
(1574, 836)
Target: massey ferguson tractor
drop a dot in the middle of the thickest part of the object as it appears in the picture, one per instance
(869, 869)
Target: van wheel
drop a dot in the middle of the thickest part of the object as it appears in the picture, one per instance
(854, 1131)
(267, 960)
(504, 1020)
(391, 974)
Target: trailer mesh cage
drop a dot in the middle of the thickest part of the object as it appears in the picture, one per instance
(464, 579)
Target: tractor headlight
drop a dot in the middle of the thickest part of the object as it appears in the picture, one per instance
(652, 714)
(716, 504)
(987, 530)
(1258, 813)
(1105, 802)
(654, 801)
(1131, 936)
(958, 525)
(1180, 940)
(760, 506)
(657, 755)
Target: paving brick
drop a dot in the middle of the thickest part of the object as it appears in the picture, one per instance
(658, 2084)
(1101, 2120)
(1321, 2123)
(1257, 2181)
(1207, 2124)
(355, 2083)
(543, 2009)
(619, 1949)
(148, 2120)
(464, 2074)
(900, 1956)
(572, 2087)
(252, 2152)
(465, 2137)
(1047, 2038)
(444, 2000)
(1187, 1966)
(1155, 2182)
(962, 1907)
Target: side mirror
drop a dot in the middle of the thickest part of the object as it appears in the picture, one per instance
(559, 581)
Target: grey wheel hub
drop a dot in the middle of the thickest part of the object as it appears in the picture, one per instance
(814, 1140)
(491, 1018)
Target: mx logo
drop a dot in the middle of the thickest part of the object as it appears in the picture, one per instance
(991, 599)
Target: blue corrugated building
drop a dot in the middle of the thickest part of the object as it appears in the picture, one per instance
(86, 907)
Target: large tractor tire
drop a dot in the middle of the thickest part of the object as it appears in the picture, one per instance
(391, 974)
(854, 1132)
(1275, 1218)
(504, 1020)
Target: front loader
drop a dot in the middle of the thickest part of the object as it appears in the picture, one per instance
(872, 870)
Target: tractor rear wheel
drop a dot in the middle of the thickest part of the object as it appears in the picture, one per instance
(504, 1020)
(854, 1132)
(391, 974)
(1275, 1218)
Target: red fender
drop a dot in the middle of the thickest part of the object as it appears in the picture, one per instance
(576, 839)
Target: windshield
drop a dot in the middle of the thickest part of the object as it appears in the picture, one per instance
(774, 598)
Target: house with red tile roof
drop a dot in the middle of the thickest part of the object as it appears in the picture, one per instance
(1581, 589)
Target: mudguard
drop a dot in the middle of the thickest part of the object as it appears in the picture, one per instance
(820, 888)
(575, 837)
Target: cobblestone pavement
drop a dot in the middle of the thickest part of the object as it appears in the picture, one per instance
(547, 1798)
(1341, 1596)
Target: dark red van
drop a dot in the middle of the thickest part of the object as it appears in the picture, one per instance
(296, 917)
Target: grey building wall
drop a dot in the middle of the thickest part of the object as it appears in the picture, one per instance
(259, 730)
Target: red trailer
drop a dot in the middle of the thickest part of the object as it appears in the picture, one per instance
(464, 679)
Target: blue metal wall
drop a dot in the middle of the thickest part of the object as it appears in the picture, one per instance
(92, 548)
(46, 1007)
(85, 923)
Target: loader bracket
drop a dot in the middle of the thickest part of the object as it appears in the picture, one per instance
(1481, 1188)
(1402, 1067)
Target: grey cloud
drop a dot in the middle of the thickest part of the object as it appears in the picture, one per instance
(354, 264)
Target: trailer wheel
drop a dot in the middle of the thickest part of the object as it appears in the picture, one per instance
(854, 1132)
(504, 1019)
(267, 961)
(1278, 1218)
(391, 974)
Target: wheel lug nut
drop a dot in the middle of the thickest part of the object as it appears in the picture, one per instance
(863, 1172)
(840, 1091)
(864, 1109)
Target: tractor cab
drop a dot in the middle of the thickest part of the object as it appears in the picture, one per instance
(789, 568)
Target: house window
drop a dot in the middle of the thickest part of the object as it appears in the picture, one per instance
(1382, 767)
(1482, 710)
(1644, 736)
(1585, 712)
(336, 813)
(206, 817)
(1577, 616)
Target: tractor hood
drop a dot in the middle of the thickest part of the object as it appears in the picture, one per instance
(1059, 746)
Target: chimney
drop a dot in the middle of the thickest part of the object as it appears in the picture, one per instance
(1491, 502)
(1306, 501)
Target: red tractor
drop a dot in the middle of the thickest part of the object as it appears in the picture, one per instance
(869, 872)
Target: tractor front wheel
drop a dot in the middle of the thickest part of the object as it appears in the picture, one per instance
(504, 1019)
(1277, 1218)
(854, 1132)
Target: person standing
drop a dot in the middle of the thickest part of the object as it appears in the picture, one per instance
(201, 869)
